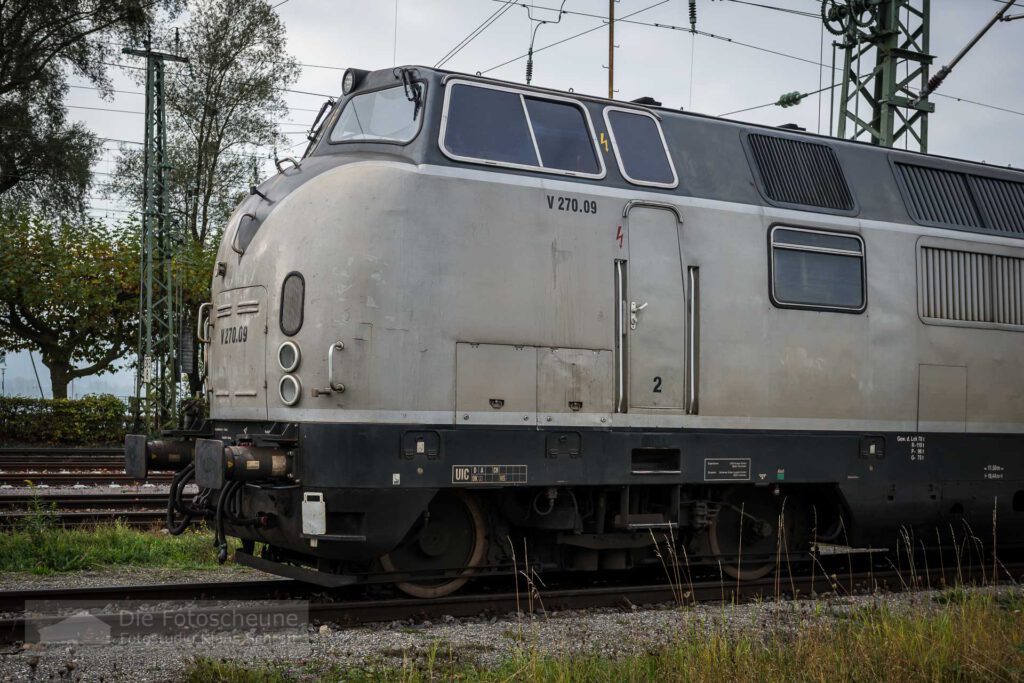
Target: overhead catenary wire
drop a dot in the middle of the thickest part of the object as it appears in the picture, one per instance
(672, 27)
(787, 10)
(573, 37)
(497, 14)
(935, 81)
(949, 97)
(782, 101)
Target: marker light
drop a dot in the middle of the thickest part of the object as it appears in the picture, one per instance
(288, 356)
(289, 390)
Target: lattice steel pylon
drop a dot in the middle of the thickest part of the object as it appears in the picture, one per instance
(885, 67)
(156, 377)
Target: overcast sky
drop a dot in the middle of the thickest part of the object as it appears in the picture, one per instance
(649, 61)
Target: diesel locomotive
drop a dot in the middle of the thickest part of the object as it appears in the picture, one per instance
(479, 317)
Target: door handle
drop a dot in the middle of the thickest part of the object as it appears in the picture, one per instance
(633, 310)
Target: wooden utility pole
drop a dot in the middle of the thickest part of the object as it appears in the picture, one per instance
(611, 49)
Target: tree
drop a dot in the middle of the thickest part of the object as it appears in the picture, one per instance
(226, 102)
(221, 105)
(69, 289)
(43, 159)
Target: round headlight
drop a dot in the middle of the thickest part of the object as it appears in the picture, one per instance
(289, 390)
(348, 81)
(288, 356)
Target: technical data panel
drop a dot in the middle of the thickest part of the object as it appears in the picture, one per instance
(727, 469)
(489, 474)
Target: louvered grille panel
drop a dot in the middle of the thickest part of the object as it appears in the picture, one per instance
(954, 199)
(971, 287)
(1009, 290)
(938, 196)
(1002, 203)
(798, 172)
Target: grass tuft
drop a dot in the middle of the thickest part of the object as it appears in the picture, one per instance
(973, 637)
(38, 544)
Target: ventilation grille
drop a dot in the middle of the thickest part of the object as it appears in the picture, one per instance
(1009, 290)
(972, 287)
(954, 199)
(1002, 201)
(799, 172)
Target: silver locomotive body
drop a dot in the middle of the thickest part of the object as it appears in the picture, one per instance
(581, 357)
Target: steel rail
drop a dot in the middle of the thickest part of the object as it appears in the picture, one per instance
(348, 611)
(19, 479)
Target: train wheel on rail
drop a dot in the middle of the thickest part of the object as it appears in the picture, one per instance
(453, 535)
(747, 526)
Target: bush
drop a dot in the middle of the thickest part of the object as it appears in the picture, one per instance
(89, 421)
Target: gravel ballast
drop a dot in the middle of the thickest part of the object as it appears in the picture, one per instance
(483, 642)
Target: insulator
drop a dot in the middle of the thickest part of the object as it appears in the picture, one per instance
(693, 15)
(790, 99)
(529, 68)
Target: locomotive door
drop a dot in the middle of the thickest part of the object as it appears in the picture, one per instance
(655, 310)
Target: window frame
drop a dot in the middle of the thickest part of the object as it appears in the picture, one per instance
(302, 307)
(618, 157)
(523, 94)
(862, 254)
(336, 117)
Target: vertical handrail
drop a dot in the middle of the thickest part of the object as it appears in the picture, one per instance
(200, 327)
(693, 339)
(335, 386)
(620, 336)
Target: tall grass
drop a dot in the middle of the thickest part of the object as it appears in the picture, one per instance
(969, 637)
(40, 546)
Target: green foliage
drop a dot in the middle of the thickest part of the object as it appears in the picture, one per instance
(229, 103)
(93, 420)
(41, 517)
(70, 289)
(976, 639)
(44, 160)
(55, 549)
(226, 105)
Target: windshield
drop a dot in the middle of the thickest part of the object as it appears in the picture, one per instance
(380, 116)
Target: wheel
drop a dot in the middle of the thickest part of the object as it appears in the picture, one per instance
(451, 536)
(747, 524)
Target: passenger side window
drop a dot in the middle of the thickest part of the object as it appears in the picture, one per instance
(506, 127)
(817, 269)
(640, 147)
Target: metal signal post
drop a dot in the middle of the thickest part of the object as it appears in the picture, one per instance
(156, 378)
(885, 67)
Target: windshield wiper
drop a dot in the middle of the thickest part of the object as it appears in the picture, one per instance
(413, 92)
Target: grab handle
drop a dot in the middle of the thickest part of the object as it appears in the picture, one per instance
(335, 386)
(200, 327)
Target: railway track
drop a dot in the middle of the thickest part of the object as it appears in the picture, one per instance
(62, 466)
(352, 606)
(64, 478)
(135, 509)
(61, 456)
